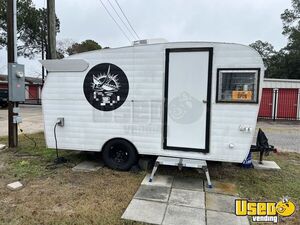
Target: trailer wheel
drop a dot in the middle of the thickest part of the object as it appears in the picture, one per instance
(119, 154)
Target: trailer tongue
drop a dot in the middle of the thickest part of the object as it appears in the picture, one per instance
(262, 146)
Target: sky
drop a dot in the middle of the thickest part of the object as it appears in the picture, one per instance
(238, 21)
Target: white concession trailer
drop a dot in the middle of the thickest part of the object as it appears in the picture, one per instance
(191, 100)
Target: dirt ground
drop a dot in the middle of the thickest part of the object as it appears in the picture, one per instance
(57, 195)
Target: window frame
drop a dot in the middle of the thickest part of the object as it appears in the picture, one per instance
(256, 70)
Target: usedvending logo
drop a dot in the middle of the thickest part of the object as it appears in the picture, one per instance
(264, 211)
(106, 87)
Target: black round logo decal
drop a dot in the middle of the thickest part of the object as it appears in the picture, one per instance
(106, 87)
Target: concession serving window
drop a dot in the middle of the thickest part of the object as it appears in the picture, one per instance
(238, 85)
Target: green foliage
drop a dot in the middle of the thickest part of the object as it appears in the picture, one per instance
(291, 18)
(85, 46)
(265, 49)
(286, 62)
(31, 27)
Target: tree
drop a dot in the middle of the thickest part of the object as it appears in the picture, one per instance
(286, 62)
(291, 25)
(291, 28)
(62, 46)
(84, 46)
(31, 28)
(265, 49)
(291, 18)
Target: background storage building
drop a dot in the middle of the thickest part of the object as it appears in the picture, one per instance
(33, 88)
(280, 99)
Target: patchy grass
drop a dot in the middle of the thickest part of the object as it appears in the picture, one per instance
(59, 196)
(267, 185)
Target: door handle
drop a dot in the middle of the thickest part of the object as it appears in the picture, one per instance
(204, 101)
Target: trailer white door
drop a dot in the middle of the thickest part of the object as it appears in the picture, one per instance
(187, 96)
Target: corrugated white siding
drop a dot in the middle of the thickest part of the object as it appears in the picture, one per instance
(281, 83)
(140, 118)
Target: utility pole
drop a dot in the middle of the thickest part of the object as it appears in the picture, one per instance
(43, 71)
(51, 29)
(44, 40)
(12, 58)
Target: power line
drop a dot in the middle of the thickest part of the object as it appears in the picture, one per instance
(126, 18)
(115, 21)
(121, 19)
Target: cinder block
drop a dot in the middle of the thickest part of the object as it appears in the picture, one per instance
(15, 186)
(145, 163)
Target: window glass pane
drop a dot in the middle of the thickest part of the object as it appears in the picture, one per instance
(239, 86)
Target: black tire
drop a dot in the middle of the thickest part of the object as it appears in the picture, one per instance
(119, 154)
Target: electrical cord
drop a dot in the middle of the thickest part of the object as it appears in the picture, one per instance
(29, 138)
(26, 154)
(55, 138)
(58, 160)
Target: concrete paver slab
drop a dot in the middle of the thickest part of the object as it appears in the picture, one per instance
(87, 166)
(187, 198)
(153, 193)
(219, 202)
(159, 180)
(15, 186)
(222, 188)
(267, 165)
(145, 211)
(179, 215)
(217, 218)
(189, 183)
(2, 147)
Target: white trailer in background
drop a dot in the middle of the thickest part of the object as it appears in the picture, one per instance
(188, 100)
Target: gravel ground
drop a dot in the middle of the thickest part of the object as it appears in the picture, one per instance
(32, 119)
(284, 135)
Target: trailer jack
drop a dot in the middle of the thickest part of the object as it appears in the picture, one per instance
(262, 146)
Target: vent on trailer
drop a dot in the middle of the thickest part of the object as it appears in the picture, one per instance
(149, 41)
